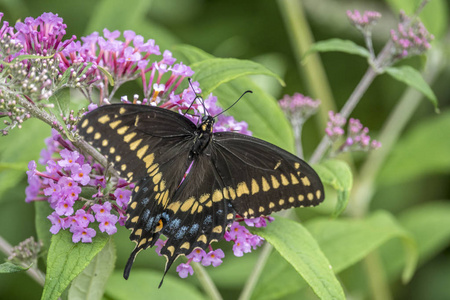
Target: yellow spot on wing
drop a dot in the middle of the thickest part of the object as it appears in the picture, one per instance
(186, 245)
(187, 204)
(135, 219)
(122, 130)
(114, 124)
(255, 187)
(194, 207)
(97, 136)
(123, 167)
(281, 202)
(318, 194)
(271, 205)
(217, 196)
(171, 249)
(104, 119)
(90, 130)
(149, 160)
(204, 197)
(174, 206)
(305, 181)
(157, 178)
(138, 232)
(310, 196)
(135, 144)
(277, 165)
(133, 205)
(129, 136)
(217, 229)
(297, 165)
(275, 182)
(85, 123)
(232, 193)
(284, 180)
(202, 239)
(301, 197)
(265, 185)
(112, 150)
(142, 151)
(122, 110)
(294, 179)
(105, 143)
(242, 189)
(142, 242)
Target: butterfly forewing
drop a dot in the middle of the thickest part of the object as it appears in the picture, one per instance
(262, 178)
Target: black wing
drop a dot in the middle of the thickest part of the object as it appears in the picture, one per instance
(262, 178)
(199, 212)
(149, 145)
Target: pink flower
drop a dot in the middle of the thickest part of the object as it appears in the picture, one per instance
(184, 270)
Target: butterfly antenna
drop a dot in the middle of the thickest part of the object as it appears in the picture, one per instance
(233, 103)
(197, 96)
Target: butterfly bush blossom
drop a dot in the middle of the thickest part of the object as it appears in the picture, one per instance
(77, 188)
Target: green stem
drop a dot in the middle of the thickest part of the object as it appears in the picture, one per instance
(301, 40)
(206, 282)
(398, 119)
(33, 272)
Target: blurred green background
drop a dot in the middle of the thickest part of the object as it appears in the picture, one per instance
(415, 174)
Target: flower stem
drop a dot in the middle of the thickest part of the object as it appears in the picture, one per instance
(355, 97)
(206, 282)
(363, 192)
(302, 40)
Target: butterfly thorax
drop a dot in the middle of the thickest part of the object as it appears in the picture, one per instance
(203, 136)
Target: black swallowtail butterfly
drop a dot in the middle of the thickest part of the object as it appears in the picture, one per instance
(230, 174)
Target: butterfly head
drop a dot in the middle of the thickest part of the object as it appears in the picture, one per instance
(207, 124)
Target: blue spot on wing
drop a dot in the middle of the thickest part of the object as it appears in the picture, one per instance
(207, 220)
(194, 228)
(145, 201)
(181, 232)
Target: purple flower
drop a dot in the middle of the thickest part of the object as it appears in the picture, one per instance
(241, 246)
(122, 197)
(81, 174)
(108, 224)
(101, 211)
(83, 218)
(298, 108)
(69, 158)
(184, 270)
(159, 244)
(197, 255)
(363, 21)
(82, 234)
(57, 223)
(214, 258)
(64, 207)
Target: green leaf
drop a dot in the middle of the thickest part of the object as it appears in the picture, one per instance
(338, 45)
(91, 283)
(301, 250)
(424, 150)
(66, 260)
(216, 71)
(259, 110)
(106, 73)
(339, 175)
(143, 284)
(413, 78)
(61, 101)
(429, 224)
(43, 225)
(344, 242)
(18, 148)
(9, 267)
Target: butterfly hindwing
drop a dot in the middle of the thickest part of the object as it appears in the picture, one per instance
(262, 178)
(199, 212)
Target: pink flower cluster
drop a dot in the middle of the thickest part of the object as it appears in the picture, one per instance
(357, 135)
(411, 37)
(298, 107)
(61, 185)
(365, 20)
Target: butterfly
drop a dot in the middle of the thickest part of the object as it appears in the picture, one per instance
(229, 174)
